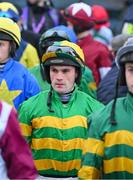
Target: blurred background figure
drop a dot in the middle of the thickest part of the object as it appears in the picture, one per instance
(106, 88)
(116, 9)
(101, 31)
(40, 15)
(28, 35)
(70, 32)
(128, 20)
(26, 54)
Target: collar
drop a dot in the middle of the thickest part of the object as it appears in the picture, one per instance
(8, 64)
(83, 34)
(87, 39)
(56, 96)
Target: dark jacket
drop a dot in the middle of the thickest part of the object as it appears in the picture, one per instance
(106, 88)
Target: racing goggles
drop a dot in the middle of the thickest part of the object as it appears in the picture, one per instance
(59, 33)
(62, 52)
(10, 14)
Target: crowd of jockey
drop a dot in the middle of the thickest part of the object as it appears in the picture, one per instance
(66, 92)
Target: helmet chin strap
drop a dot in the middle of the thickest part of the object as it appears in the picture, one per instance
(49, 100)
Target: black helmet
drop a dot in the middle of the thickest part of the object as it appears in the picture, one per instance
(49, 37)
(124, 55)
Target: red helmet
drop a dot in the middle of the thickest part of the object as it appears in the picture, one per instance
(101, 16)
(80, 14)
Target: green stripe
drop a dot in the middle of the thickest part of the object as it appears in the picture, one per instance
(58, 173)
(57, 155)
(89, 160)
(118, 151)
(66, 134)
(118, 175)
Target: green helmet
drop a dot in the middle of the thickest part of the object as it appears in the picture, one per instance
(63, 53)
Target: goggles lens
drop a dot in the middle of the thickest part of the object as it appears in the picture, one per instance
(9, 14)
(67, 50)
(56, 34)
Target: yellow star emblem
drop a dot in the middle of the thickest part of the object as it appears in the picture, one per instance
(6, 94)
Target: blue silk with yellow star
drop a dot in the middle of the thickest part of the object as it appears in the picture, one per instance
(16, 83)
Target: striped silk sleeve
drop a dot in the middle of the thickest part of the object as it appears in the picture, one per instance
(93, 155)
(25, 123)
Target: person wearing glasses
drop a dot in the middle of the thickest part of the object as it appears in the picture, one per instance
(55, 121)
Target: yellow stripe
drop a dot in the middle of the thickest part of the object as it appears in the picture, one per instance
(26, 130)
(87, 172)
(118, 164)
(65, 145)
(57, 165)
(119, 137)
(6, 6)
(92, 86)
(48, 55)
(94, 146)
(66, 123)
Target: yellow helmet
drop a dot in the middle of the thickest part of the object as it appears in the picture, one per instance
(5, 6)
(9, 27)
(9, 10)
